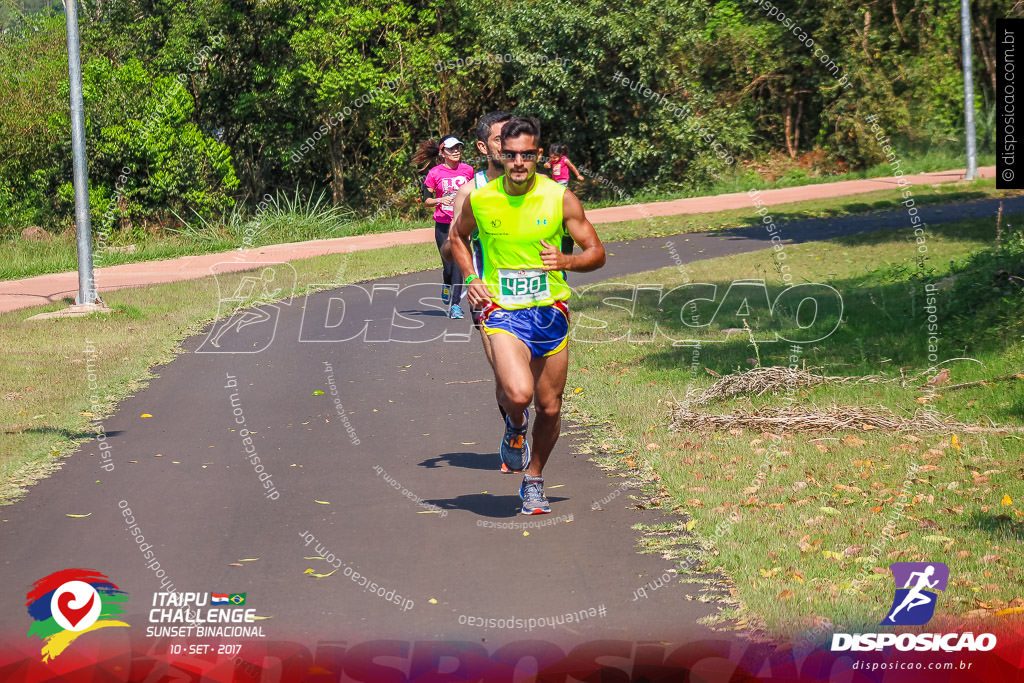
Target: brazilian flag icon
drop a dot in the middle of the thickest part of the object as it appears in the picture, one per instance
(237, 598)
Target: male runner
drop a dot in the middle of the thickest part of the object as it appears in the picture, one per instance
(488, 143)
(522, 291)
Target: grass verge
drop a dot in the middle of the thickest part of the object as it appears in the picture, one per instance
(804, 525)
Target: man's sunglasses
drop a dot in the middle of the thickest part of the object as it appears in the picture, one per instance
(527, 154)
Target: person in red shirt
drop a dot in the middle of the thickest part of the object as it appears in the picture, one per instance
(439, 189)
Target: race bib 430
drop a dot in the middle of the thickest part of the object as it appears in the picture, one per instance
(523, 286)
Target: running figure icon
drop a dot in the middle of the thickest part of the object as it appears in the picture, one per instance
(915, 598)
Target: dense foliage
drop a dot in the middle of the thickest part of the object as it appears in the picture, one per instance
(198, 104)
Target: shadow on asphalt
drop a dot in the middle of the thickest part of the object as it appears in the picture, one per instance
(468, 461)
(431, 313)
(64, 433)
(486, 504)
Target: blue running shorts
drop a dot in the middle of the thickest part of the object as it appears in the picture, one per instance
(544, 329)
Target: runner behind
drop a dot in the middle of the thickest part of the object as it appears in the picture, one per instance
(488, 144)
(439, 189)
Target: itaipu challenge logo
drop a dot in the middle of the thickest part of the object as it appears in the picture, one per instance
(69, 603)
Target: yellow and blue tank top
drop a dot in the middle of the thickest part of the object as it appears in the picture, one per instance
(510, 230)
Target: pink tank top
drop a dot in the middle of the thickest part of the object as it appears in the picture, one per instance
(560, 169)
(445, 182)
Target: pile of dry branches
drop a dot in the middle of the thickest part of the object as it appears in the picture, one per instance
(832, 419)
(776, 379)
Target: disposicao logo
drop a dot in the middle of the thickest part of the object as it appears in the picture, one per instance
(914, 605)
(68, 603)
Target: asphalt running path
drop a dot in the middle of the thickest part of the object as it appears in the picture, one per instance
(43, 289)
(424, 416)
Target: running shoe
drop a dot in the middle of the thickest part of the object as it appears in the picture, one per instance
(456, 312)
(446, 294)
(532, 493)
(515, 449)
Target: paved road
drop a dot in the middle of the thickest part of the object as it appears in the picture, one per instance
(423, 415)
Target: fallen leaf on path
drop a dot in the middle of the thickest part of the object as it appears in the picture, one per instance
(322, 502)
(234, 564)
(249, 559)
(145, 415)
(255, 618)
(70, 515)
(432, 601)
(318, 392)
(318, 576)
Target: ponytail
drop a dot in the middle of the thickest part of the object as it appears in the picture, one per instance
(426, 152)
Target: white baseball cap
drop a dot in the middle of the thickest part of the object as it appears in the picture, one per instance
(452, 141)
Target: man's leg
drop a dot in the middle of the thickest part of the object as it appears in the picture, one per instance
(499, 393)
(512, 370)
(550, 373)
(440, 237)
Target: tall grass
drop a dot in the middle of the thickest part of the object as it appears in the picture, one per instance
(285, 218)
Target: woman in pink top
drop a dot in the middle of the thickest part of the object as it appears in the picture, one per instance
(439, 189)
(559, 164)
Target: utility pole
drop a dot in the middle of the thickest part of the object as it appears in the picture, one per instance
(965, 44)
(87, 301)
(86, 280)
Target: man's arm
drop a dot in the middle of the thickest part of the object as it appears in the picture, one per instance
(575, 221)
(462, 227)
(460, 200)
